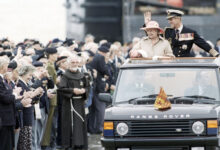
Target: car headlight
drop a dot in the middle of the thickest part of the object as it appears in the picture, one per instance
(198, 127)
(122, 128)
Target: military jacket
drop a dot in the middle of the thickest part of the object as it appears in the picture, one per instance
(52, 72)
(182, 43)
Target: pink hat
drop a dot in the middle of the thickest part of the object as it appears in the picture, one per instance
(152, 25)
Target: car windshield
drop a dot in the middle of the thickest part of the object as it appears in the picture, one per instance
(176, 82)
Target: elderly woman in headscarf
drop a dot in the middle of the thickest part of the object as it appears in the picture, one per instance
(25, 136)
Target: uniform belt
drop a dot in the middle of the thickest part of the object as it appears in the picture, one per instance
(77, 97)
(73, 110)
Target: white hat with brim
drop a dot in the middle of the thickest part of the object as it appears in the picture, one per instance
(174, 13)
(152, 25)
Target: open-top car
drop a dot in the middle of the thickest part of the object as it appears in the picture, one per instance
(132, 122)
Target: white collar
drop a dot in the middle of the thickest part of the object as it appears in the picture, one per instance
(23, 81)
(110, 60)
(180, 28)
(13, 82)
(84, 67)
(62, 70)
(1, 75)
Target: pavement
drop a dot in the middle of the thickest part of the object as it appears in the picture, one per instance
(94, 142)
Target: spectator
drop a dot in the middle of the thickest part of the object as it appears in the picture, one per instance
(25, 135)
(96, 116)
(7, 98)
(49, 139)
(73, 89)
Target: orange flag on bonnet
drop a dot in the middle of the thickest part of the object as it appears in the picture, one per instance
(161, 101)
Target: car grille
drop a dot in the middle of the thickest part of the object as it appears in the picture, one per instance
(162, 128)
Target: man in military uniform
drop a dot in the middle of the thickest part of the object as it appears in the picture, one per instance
(182, 38)
(50, 131)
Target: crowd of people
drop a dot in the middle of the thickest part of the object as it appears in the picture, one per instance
(49, 93)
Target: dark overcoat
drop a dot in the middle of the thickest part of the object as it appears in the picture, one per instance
(7, 110)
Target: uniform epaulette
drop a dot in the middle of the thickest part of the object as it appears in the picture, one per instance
(166, 29)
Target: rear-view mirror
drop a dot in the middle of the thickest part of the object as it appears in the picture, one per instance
(105, 97)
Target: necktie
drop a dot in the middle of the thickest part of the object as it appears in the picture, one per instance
(6, 84)
(177, 34)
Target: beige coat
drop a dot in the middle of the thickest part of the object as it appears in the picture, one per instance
(146, 49)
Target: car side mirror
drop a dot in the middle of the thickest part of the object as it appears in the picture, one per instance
(105, 97)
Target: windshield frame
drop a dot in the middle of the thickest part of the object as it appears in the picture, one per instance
(217, 72)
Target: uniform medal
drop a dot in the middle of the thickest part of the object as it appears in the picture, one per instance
(184, 46)
(81, 83)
